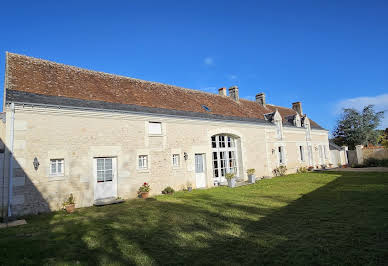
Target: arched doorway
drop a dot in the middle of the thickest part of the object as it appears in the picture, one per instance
(224, 156)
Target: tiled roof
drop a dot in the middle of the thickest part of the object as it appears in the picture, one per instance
(41, 77)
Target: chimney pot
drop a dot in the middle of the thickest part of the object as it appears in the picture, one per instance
(260, 98)
(233, 93)
(222, 91)
(297, 106)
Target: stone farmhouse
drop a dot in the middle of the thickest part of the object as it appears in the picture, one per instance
(96, 135)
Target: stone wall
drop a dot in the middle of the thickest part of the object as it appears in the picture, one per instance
(374, 152)
(79, 136)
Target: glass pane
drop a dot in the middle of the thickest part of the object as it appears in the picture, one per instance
(108, 175)
(108, 163)
(59, 167)
(100, 176)
(100, 164)
(214, 144)
(53, 168)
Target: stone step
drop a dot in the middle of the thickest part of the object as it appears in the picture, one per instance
(107, 201)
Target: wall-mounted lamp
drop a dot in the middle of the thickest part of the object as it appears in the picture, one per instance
(185, 156)
(316, 148)
(273, 151)
(36, 163)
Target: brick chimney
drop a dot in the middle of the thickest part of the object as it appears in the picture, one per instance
(297, 106)
(222, 91)
(233, 93)
(260, 98)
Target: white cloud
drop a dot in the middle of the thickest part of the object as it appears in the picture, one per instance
(208, 61)
(232, 77)
(380, 103)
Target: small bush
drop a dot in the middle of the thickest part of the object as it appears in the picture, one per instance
(280, 171)
(168, 190)
(230, 176)
(302, 170)
(373, 162)
(251, 171)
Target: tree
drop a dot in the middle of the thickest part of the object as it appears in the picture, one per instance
(383, 139)
(355, 128)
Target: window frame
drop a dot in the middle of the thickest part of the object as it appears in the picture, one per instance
(177, 162)
(141, 158)
(281, 155)
(279, 129)
(302, 156)
(56, 173)
(225, 157)
(155, 123)
(105, 169)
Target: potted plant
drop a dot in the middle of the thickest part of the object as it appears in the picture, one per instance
(251, 175)
(144, 190)
(168, 190)
(69, 204)
(189, 186)
(231, 177)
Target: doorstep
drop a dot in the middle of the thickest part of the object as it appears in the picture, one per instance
(107, 201)
(13, 223)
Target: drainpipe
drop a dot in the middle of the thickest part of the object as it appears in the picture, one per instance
(10, 183)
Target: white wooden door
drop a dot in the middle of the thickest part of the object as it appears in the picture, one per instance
(105, 177)
(200, 175)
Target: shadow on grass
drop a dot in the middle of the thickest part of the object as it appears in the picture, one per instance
(341, 222)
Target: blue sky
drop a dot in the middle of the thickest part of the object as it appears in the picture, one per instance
(326, 54)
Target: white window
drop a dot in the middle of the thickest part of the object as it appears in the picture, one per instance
(297, 121)
(281, 155)
(57, 167)
(301, 150)
(155, 128)
(308, 131)
(224, 156)
(143, 161)
(104, 170)
(175, 160)
(278, 124)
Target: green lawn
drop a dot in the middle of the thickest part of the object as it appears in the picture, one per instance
(314, 218)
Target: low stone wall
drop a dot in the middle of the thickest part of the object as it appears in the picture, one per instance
(374, 152)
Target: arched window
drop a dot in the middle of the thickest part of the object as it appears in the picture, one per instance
(224, 156)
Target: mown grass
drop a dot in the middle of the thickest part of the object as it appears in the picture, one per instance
(314, 218)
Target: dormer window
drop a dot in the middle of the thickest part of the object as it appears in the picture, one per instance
(277, 120)
(306, 124)
(297, 121)
(279, 129)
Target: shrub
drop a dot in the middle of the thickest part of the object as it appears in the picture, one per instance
(251, 171)
(373, 162)
(302, 170)
(168, 190)
(280, 171)
(69, 201)
(230, 176)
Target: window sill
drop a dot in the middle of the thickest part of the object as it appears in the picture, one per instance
(176, 167)
(155, 135)
(56, 177)
(143, 170)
